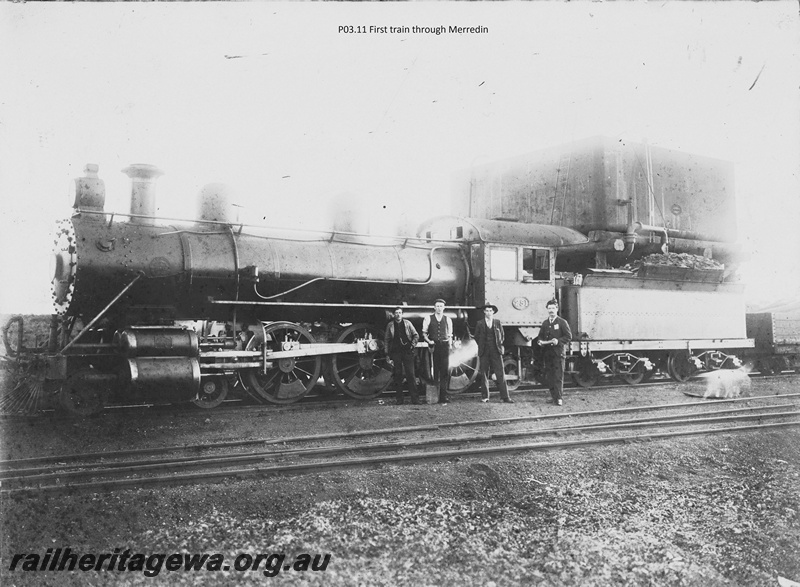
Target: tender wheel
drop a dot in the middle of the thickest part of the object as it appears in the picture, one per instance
(288, 379)
(213, 391)
(635, 375)
(586, 378)
(764, 366)
(648, 375)
(779, 365)
(361, 375)
(464, 367)
(680, 366)
(511, 369)
(586, 373)
(84, 392)
(659, 366)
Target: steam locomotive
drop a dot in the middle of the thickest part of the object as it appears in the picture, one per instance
(175, 310)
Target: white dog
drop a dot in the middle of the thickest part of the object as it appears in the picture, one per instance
(726, 383)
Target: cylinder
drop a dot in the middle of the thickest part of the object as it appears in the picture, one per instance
(143, 192)
(158, 342)
(168, 379)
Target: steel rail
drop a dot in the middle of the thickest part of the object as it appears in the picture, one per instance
(35, 475)
(680, 418)
(315, 399)
(148, 464)
(14, 463)
(316, 467)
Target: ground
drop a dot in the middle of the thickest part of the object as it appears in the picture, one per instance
(696, 510)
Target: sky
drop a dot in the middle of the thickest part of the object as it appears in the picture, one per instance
(278, 102)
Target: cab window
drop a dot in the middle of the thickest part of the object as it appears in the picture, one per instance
(535, 265)
(503, 264)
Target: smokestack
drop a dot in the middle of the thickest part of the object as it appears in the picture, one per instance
(143, 191)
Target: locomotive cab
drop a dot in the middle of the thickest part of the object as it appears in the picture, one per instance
(512, 264)
(519, 280)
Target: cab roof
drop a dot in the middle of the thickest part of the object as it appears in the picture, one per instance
(499, 231)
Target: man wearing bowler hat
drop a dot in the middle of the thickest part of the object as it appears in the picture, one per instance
(489, 336)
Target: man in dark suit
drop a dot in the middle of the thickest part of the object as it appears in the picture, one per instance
(554, 336)
(400, 340)
(489, 336)
(437, 330)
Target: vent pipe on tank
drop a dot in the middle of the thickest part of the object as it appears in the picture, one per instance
(143, 192)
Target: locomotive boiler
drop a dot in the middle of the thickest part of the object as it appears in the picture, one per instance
(185, 271)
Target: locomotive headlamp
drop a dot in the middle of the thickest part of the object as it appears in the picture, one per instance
(60, 266)
(89, 191)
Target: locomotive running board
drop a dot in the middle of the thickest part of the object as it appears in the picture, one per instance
(331, 305)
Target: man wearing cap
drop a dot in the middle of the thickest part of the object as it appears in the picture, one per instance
(400, 340)
(437, 330)
(554, 336)
(489, 336)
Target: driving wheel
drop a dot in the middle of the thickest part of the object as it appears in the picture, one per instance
(287, 379)
(361, 375)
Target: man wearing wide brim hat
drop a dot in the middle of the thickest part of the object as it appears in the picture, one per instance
(489, 336)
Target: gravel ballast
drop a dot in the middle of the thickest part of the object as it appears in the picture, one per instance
(697, 510)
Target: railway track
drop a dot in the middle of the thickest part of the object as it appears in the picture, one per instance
(303, 454)
(316, 400)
